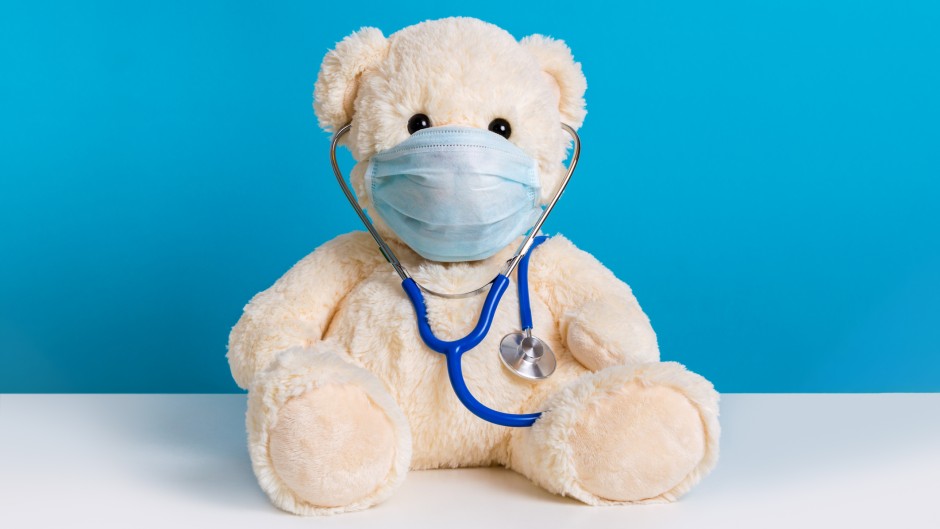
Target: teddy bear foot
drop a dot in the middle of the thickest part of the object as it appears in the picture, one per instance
(634, 434)
(636, 443)
(331, 446)
(334, 447)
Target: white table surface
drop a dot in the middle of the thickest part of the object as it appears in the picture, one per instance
(137, 461)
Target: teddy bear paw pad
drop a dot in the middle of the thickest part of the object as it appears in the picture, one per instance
(637, 443)
(332, 446)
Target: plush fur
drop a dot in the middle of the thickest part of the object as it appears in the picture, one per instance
(345, 398)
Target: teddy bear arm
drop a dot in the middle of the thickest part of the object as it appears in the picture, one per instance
(296, 310)
(598, 317)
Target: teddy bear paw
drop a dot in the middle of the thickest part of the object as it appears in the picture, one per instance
(637, 443)
(332, 446)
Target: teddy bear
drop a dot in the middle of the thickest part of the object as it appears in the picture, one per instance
(344, 397)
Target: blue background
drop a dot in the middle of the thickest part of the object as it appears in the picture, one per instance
(764, 176)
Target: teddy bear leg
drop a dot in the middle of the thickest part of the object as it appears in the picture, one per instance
(324, 435)
(625, 434)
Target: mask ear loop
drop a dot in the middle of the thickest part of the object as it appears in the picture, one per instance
(393, 259)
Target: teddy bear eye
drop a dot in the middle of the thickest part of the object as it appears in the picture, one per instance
(501, 126)
(418, 122)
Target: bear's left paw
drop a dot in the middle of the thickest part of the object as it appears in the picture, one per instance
(637, 443)
(626, 434)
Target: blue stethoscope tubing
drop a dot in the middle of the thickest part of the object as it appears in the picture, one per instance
(454, 350)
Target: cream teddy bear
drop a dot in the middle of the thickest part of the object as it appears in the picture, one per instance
(344, 397)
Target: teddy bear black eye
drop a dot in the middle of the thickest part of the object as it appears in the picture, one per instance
(418, 122)
(501, 126)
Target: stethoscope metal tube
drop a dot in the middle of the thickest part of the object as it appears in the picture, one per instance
(393, 259)
(524, 247)
(386, 251)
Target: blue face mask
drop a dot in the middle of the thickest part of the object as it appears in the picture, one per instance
(455, 193)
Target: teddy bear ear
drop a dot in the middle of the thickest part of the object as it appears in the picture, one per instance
(559, 65)
(342, 68)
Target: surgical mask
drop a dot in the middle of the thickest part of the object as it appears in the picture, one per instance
(455, 193)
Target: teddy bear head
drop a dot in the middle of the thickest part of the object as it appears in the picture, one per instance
(453, 71)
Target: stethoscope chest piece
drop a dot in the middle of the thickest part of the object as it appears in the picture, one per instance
(527, 356)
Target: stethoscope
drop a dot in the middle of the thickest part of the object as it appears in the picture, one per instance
(521, 352)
